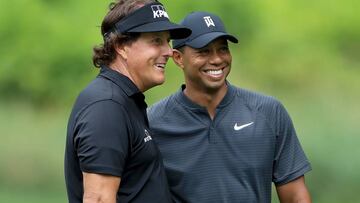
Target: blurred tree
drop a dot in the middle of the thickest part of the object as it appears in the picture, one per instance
(46, 45)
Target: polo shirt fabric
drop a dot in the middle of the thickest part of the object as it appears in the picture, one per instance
(250, 143)
(108, 133)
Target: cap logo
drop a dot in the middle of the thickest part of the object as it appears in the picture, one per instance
(209, 22)
(159, 11)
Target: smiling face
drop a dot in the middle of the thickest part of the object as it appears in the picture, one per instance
(146, 59)
(205, 69)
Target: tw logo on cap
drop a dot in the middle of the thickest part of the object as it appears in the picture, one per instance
(159, 11)
(209, 22)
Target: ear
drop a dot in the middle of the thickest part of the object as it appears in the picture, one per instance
(122, 50)
(178, 58)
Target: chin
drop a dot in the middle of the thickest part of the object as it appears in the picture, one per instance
(158, 82)
(215, 86)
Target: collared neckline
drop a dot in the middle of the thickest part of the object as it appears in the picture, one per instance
(124, 83)
(183, 99)
(120, 80)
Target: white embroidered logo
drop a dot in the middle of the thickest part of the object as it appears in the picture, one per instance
(147, 136)
(159, 11)
(209, 22)
(236, 127)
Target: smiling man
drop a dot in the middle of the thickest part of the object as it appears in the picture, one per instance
(221, 143)
(110, 155)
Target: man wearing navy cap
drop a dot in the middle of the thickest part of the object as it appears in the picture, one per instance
(221, 143)
(110, 155)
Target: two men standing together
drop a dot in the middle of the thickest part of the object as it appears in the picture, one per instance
(208, 142)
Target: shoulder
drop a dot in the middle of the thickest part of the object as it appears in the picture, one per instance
(97, 90)
(257, 101)
(268, 106)
(99, 96)
(265, 107)
(160, 108)
(102, 110)
(100, 89)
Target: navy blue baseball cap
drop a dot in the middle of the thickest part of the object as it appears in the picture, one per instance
(150, 18)
(205, 27)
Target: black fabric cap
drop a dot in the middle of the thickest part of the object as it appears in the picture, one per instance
(205, 27)
(151, 18)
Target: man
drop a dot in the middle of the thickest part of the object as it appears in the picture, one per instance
(110, 155)
(221, 143)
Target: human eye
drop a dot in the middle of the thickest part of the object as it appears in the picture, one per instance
(224, 49)
(157, 41)
(203, 51)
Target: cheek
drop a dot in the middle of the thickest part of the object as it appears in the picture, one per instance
(149, 55)
(139, 59)
(197, 62)
(228, 58)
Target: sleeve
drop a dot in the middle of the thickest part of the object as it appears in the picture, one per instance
(102, 138)
(290, 161)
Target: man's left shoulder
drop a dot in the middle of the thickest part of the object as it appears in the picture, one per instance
(255, 99)
(158, 109)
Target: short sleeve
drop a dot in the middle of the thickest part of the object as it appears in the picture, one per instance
(102, 138)
(290, 161)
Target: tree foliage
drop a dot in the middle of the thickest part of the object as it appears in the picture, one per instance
(46, 46)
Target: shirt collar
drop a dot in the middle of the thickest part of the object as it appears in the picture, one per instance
(183, 99)
(120, 80)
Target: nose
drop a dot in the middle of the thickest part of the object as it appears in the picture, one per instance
(167, 50)
(215, 58)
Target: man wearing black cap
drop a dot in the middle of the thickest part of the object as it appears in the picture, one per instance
(221, 143)
(110, 155)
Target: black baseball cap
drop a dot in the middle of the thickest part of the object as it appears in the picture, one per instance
(205, 27)
(151, 18)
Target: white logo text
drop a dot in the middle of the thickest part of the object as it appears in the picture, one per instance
(209, 22)
(147, 136)
(159, 11)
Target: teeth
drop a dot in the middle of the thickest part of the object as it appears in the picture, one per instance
(214, 72)
(160, 65)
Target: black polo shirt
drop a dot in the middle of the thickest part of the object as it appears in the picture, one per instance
(108, 133)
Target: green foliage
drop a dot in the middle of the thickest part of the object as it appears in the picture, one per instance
(47, 48)
(47, 45)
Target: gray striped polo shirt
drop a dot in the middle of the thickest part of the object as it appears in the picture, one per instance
(250, 143)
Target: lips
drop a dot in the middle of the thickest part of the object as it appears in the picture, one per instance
(160, 65)
(214, 73)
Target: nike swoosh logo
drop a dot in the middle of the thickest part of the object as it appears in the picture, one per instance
(236, 127)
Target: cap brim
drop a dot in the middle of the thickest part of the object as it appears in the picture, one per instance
(176, 31)
(203, 40)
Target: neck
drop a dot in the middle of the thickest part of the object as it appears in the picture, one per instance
(120, 65)
(208, 99)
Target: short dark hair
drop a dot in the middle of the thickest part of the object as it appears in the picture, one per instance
(104, 54)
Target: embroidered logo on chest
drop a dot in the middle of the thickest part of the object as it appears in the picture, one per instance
(239, 127)
(147, 136)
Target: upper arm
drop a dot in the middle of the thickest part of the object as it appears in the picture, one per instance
(100, 188)
(290, 161)
(294, 191)
(102, 138)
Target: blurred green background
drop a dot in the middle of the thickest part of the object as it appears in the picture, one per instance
(305, 53)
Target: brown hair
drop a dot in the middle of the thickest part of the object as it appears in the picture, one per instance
(105, 53)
